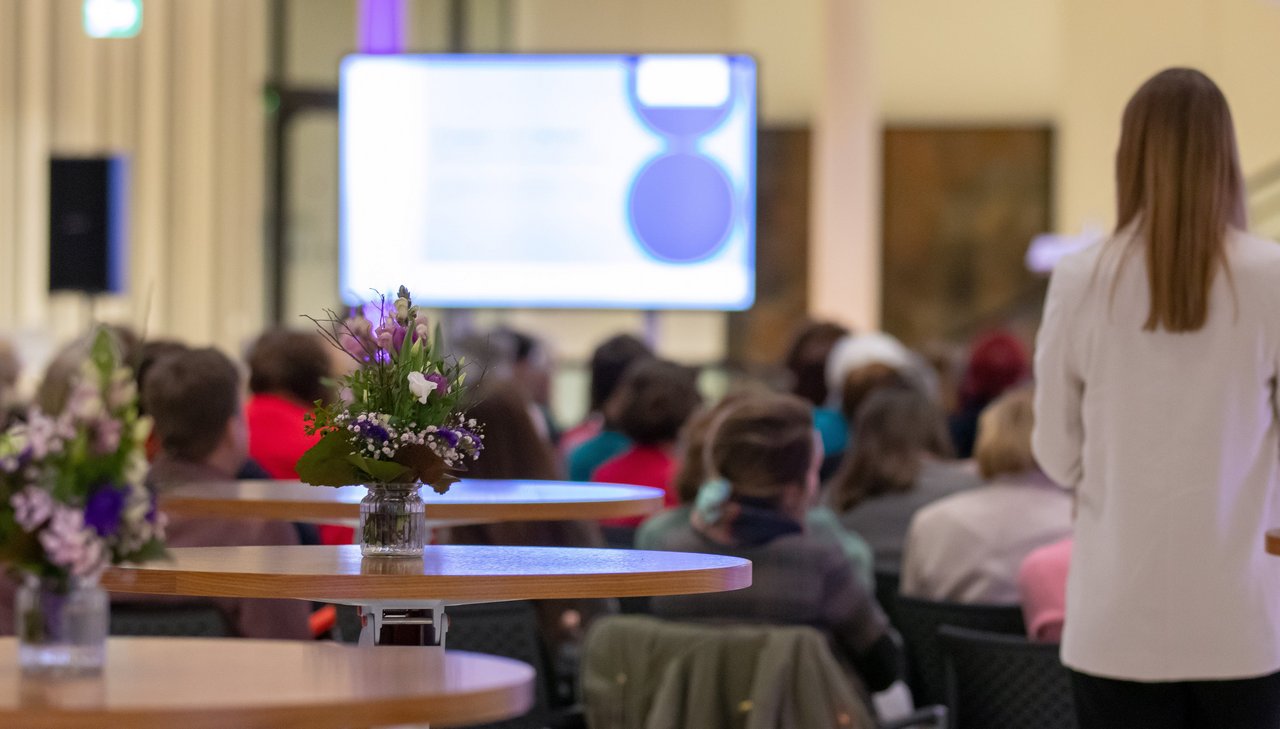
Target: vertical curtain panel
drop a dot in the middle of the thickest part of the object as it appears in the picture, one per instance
(183, 102)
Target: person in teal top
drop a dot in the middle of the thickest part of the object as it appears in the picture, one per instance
(597, 440)
(589, 456)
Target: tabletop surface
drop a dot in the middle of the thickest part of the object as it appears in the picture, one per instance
(467, 500)
(456, 572)
(199, 683)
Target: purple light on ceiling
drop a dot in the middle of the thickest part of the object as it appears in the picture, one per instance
(381, 26)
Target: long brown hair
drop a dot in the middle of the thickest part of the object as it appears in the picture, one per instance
(895, 429)
(1178, 177)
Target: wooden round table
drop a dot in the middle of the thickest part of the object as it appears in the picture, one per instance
(212, 683)
(469, 500)
(454, 573)
(385, 588)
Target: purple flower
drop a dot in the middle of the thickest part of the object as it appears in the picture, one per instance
(442, 383)
(354, 346)
(153, 510)
(398, 334)
(476, 443)
(450, 437)
(104, 509)
(371, 429)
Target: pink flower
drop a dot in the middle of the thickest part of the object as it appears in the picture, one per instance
(106, 435)
(68, 543)
(32, 507)
(353, 346)
(122, 392)
(85, 402)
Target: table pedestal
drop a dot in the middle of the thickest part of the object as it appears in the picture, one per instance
(421, 623)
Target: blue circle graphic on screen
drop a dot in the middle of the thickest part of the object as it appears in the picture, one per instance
(681, 208)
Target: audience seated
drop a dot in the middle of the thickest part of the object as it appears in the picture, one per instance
(287, 370)
(655, 400)
(968, 547)
(764, 454)
(513, 449)
(1042, 583)
(609, 362)
(859, 383)
(819, 521)
(585, 458)
(194, 398)
(527, 363)
(806, 361)
(997, 362)
(900, 461)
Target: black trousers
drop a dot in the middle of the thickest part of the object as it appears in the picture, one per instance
(1105, 703)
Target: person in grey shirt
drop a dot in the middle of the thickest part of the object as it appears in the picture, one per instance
(900, 461)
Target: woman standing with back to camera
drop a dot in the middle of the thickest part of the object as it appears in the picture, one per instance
(1156, 401)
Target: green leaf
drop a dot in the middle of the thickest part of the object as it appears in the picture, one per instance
(380, 471)
(326, 463)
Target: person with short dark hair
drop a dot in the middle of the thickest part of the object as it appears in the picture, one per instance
(598, 438)
(655, 400)
(762, 456)
(287, 371)
(193, 397)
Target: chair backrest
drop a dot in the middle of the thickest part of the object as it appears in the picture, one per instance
(918, 622)
(999, 681)
(887, 583)
(194, 620)
(700, 675)
(510, 630)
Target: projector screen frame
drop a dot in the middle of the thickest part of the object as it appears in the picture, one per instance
(750, 217)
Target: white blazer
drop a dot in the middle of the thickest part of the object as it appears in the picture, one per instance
(1172, 444)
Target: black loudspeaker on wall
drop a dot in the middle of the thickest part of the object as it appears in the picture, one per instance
(88, 204)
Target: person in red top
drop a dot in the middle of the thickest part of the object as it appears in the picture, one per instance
(656, 397)
(287, 370)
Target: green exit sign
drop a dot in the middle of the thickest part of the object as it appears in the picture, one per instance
(112, 18)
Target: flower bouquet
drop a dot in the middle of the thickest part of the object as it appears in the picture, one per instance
(72, 502)
(397, 423)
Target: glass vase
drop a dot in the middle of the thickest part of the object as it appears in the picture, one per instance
(393, 521)
(61, 627)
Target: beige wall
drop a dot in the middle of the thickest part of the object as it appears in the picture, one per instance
(1115, 46)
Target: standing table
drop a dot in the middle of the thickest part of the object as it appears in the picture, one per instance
(469, 500)
(215, 683)
(415, 591)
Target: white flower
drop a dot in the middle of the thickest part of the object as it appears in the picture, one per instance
(420, 386)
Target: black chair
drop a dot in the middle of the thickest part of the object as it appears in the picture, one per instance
(194, 620)
(999, 681)
(887, 583)
(918, 622)
(508, 629)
